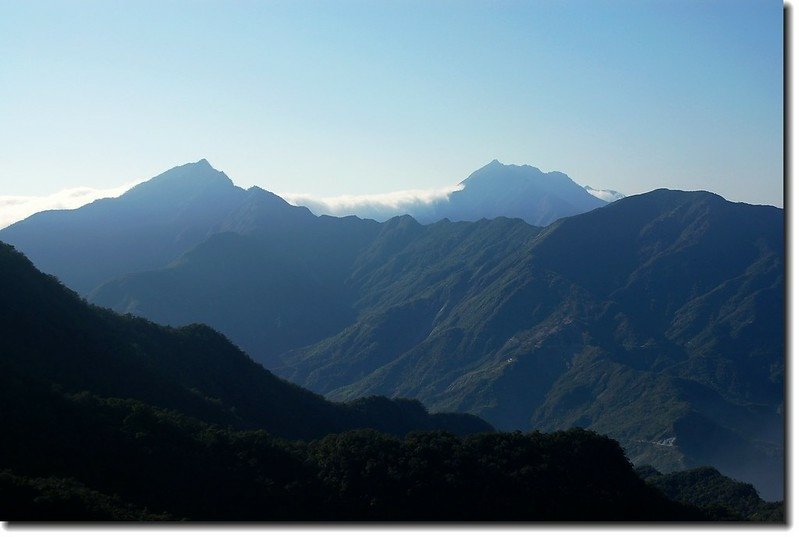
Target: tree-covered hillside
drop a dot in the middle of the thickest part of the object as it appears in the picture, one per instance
(657, 319)
(81, 457)
(54, 339)
(717, 495)
(115, 418)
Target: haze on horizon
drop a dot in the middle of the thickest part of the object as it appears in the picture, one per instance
(379, 207)
(359, 98)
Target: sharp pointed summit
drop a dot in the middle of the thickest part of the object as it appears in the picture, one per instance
(182, 181)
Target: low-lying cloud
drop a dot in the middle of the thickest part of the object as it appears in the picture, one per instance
(16, 208)
(379, 207)
(607, 195)
(420, 203)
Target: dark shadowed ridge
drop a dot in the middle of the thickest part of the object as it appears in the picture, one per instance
(102, 424)
(721, 497)
(53, 340)
(265, 212)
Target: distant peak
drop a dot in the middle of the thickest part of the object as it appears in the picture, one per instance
(496, 170)
(496, 165)
(182, 180)
(201, 164)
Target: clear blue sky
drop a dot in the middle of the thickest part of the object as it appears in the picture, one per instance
(364, 97)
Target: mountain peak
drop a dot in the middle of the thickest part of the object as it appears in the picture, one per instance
(519, 191)
(201, 165)
(496, 169)
(183, 180)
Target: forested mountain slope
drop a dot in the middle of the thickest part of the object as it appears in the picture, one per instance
(657, 319)
(54, 341)
(115, 418)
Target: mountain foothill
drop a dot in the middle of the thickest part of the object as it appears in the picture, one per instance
(522, 304)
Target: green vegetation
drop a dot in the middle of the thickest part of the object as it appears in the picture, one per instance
(52, 337)
(63, 499)
(657, 320)
(87, 458)
(115, 418)
(657, 317)
(80, 457)
(720, 497)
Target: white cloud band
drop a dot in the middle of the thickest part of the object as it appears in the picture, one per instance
(377, 206)
(16, 208)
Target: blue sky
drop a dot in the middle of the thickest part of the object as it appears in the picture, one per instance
(368, 97)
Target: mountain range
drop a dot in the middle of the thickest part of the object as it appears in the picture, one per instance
(153, 223)
(656, 319)
(494, 190)
(115, 418)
